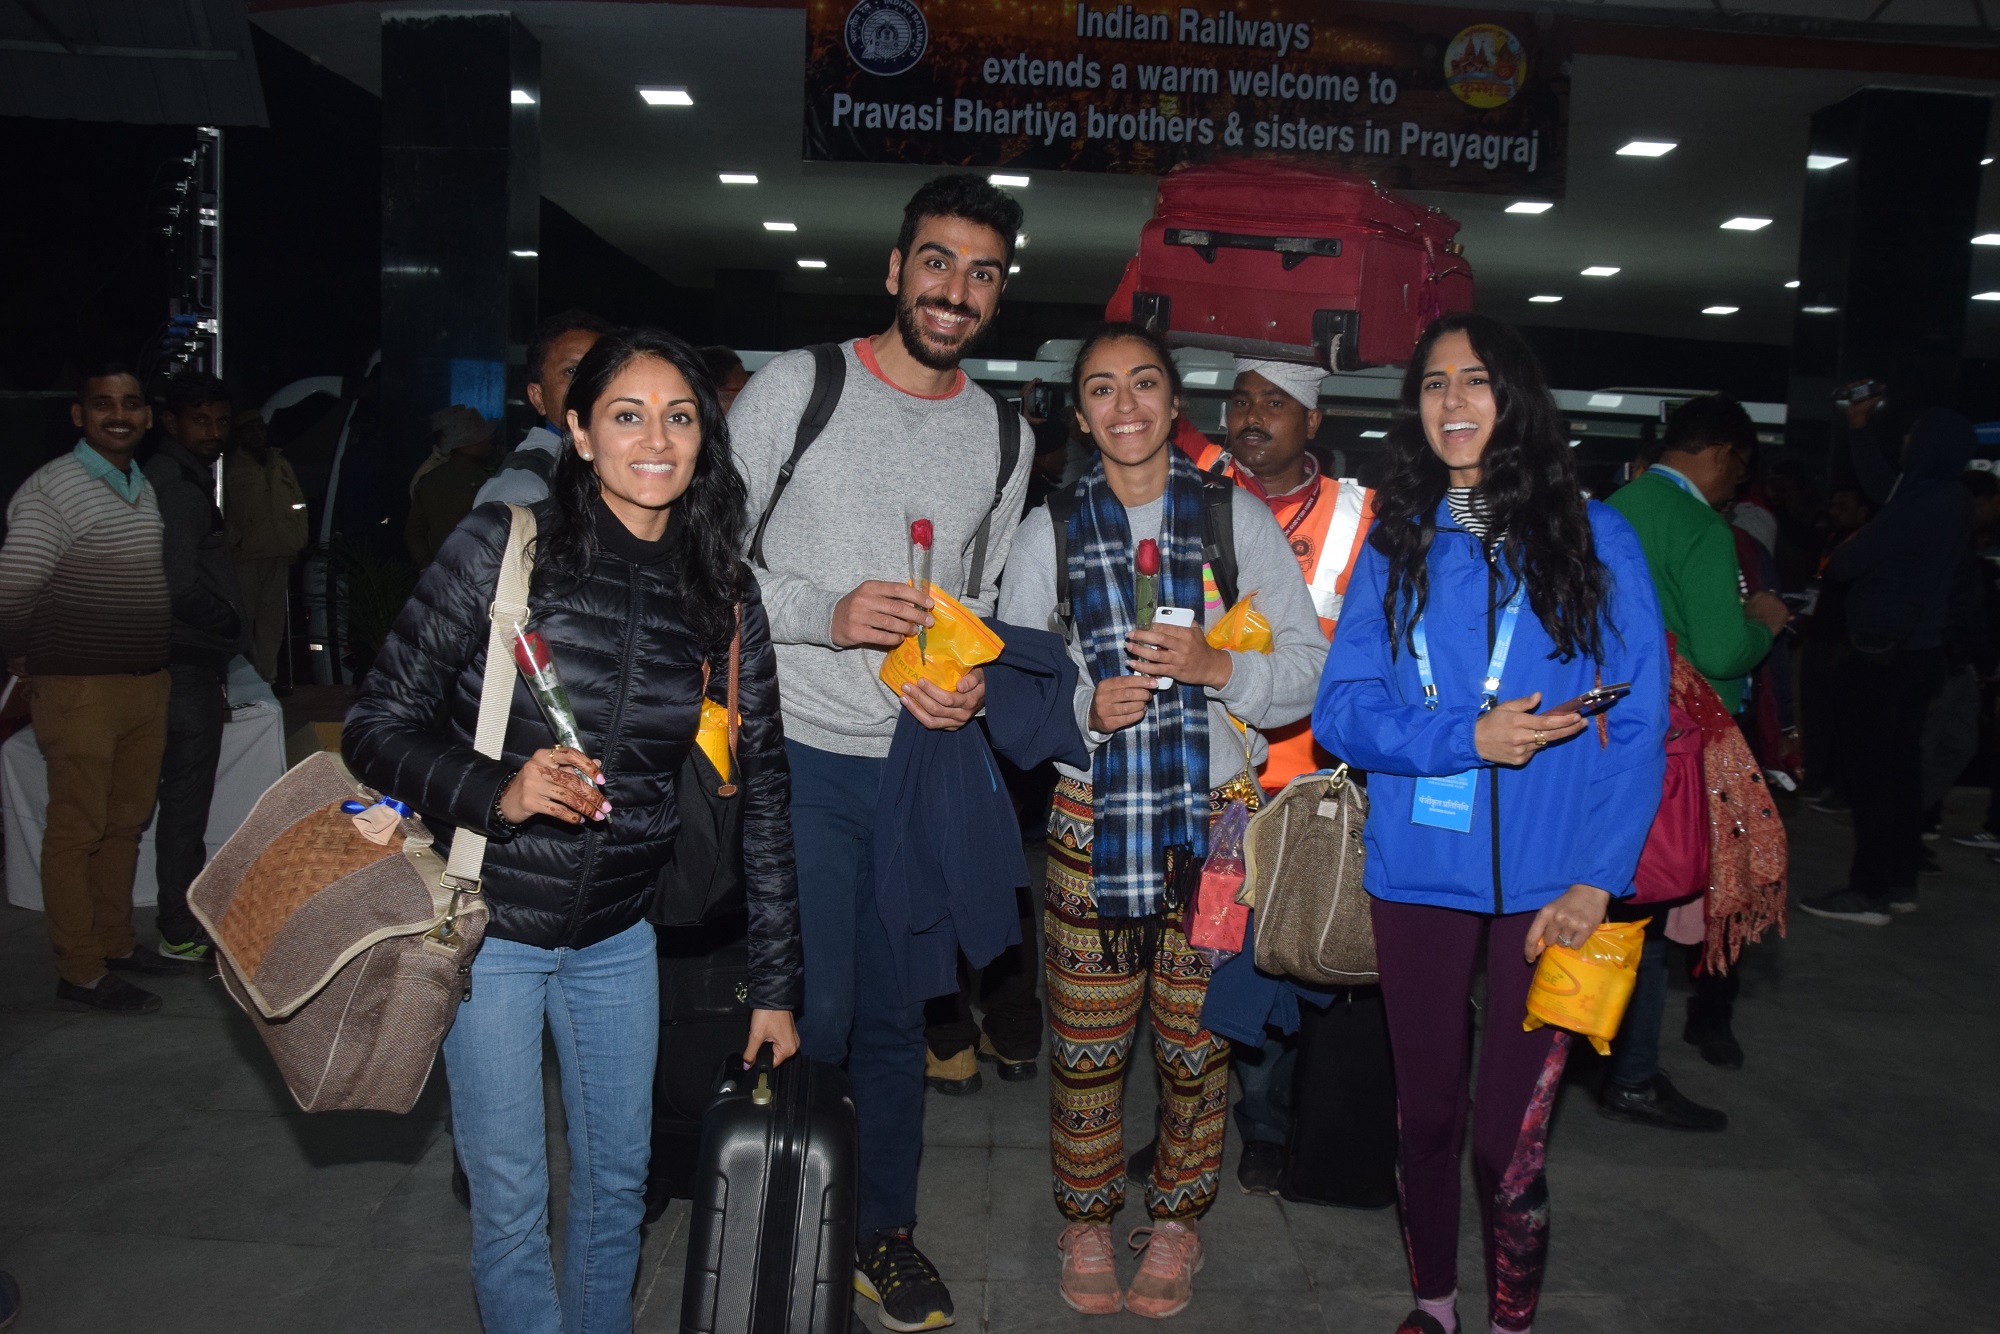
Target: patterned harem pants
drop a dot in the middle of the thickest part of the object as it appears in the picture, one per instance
(1094, 1011)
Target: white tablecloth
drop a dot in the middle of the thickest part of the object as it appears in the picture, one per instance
(253, 758)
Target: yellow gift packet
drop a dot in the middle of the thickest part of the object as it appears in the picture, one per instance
(1586, 989)
(713, 737)
(1242, 629)
(958, 642)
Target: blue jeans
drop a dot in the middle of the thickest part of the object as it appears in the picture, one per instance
(855, 1014)
(1635, 1057)
(602, 1003)
(1264, 1112)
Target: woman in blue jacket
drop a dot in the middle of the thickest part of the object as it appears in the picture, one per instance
(1490, 586)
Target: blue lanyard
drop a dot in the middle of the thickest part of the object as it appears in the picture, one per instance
(1680, 481)
(1503, 640)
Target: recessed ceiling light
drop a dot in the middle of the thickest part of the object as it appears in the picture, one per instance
(1792, 284)
(1988, 238)
(522, 98)
(665, 97)
(1020, 240)
(1648, 148)
(1746, 224)
(1818, 310)
(781, 226)
(1600, 271)
(1013, 268)
(1374, 435)
(524, 254)
(1822, 161)
(1986, 296)
(737, 177)
(812, 263)
(1718, 310)
(1018, 182)
(1530, 206)
(1986, 162)
(1545, 300)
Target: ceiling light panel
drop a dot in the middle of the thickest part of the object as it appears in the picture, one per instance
(812, 263)
(1718, 310)
(1792, 285)
(524, 254)
(1648, 148)
(737, 177)
(1545, 300)
(781, 226)
(1530, 206)
(1600, 271)
(665, 97)
(522, 98)
(1818, 310)
(1017, 182)
(1746, 224)
(1020, 240)
(1989, 238)
(1822, 161)
(1986, 296)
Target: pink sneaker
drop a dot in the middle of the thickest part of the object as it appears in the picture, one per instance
(1165, 1282)
(1089, 1275)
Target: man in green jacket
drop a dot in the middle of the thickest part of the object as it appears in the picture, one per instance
(1705, 454)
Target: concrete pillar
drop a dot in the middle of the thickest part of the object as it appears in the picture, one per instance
(1885, 260)
(461, 220)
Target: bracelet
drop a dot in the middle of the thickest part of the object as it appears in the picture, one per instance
(501, 824)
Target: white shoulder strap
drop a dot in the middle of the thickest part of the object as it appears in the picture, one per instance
(496, 691)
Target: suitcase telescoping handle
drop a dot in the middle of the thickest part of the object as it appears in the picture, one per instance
(761, 1072)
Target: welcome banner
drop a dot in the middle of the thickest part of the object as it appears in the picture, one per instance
(1412, 96)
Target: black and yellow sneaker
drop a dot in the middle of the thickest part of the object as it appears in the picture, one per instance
(891, 1272)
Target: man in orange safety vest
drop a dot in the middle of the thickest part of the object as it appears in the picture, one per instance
(1273, 412)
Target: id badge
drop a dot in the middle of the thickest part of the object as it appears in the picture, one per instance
(1446, 802)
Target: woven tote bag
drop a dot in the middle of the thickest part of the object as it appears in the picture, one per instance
(1302, 860)
(350, 956)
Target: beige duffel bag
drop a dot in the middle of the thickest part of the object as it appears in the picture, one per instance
(352, 956)
(1302, 861)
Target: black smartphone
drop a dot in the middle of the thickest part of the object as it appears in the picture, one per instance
(1595, 700)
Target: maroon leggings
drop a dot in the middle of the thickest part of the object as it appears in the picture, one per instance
(1428, 957)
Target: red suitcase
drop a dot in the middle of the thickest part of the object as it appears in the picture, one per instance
(1273, 259)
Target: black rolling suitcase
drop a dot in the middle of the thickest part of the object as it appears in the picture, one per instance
(704, 1022)
(1342, 1146)
(771, 1239)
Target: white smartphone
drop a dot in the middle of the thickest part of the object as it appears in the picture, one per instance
(1184, 618)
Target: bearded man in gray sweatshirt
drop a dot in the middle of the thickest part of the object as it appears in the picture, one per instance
(910, 438)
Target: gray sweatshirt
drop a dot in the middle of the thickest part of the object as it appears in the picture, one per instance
(885, 458)
(1264, 690)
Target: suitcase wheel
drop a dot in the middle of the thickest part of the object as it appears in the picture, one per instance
(1337, 339)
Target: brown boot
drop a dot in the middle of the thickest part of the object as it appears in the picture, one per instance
(952, 1075)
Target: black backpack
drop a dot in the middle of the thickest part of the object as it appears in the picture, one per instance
(1218, 538)
(829, 378)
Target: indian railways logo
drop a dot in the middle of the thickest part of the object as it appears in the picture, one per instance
(1485, 66)
(886, 37)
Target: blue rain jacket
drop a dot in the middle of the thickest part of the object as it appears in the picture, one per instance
(1577, 813)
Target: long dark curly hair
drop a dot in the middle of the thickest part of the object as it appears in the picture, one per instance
(707, 564)
(1528, 486)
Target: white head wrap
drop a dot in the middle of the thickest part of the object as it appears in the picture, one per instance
(1295, 378)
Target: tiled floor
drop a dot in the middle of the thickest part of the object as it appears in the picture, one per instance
(155, 1177)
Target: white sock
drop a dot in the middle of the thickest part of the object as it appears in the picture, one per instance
(1443, 1309)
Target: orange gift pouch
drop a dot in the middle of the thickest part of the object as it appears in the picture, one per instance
(1585, 990)
(958, 642)
(1242, 628)
(713, 736)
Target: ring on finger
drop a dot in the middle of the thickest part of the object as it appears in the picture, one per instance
(1541, 740)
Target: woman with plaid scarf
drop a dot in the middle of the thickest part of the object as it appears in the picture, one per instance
(1160, 709)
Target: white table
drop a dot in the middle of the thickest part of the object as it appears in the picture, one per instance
(253, 758)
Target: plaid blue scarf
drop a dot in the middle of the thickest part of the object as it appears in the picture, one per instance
(1149, 783)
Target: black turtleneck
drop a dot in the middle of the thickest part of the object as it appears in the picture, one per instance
(613, 536)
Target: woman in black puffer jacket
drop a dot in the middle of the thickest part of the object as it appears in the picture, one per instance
(636, 584)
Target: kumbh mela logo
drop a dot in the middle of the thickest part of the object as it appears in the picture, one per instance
(1485, 66)
(886, 37)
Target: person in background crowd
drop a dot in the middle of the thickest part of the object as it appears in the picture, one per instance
(1985, 489)
(1165, 762)
(726, 369)
(558, 345)
(1490, 826)
(636, 586)
(444, 494)
(1951, 723)
(268, 527)
(1691, 553)
(1273, 413)
(10, 1299)
(208, 633)
(1822, 635)
(86, 622)
(837, 547)
(1899, 571)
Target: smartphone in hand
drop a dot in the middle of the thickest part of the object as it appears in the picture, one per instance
(1181, 616)
(1595, 700)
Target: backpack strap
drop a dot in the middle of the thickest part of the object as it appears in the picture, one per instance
(829, 378)
(537, 461)
(1010, 456)
(1218, 523)
(1061, 505)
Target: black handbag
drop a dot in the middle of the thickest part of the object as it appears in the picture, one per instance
(703, 878)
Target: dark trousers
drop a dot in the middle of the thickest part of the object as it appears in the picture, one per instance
(1428, 957)
(1005, 989)
(1882, 700)
(1819, 728)
(197, 710)
(855, 1014)
(1635, 1056)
